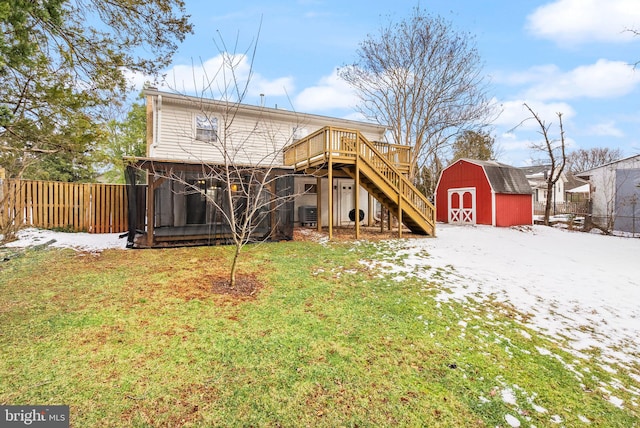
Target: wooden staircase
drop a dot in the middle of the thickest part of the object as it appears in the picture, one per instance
(379, 168)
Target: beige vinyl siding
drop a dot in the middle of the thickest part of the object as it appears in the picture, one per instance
(250, 139)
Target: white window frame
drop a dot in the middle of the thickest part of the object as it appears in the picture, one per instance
(206, 127)
(298, 132)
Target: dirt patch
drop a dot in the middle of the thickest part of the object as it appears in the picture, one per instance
(204, 287)
(246, 287)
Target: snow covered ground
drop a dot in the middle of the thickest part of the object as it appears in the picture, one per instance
(581, 286)
(80, 241)
(584, 287)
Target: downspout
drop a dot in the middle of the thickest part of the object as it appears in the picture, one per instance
(157, 120)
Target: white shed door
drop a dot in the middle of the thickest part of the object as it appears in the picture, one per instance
(462, 205)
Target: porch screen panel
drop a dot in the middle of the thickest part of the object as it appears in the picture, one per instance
(284, 214)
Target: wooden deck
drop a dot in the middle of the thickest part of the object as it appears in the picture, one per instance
(379, 168)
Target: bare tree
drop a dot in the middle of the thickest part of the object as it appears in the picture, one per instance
(554, 150)
(635, 32)
(243, 188)
(423, 79)
(585, 159)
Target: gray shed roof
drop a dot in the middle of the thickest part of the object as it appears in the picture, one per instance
(504, 178)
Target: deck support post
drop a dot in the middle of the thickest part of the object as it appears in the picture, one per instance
(319, 203)
(330, 177)
(399, 215)
(356, 194)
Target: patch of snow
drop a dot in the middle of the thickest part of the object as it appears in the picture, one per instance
(556, 419)
(543, 351)
(512, 420)
(616, 401)
(608, 368)
(580, 286)
(508, 396)
(584, 419)
(80, 241)
(538, 409)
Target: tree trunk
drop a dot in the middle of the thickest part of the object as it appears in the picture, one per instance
(549, 201)
(234, 266)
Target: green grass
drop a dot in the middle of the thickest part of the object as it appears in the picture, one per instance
(135, 338)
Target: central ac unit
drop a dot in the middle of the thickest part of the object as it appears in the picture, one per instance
(308, 215)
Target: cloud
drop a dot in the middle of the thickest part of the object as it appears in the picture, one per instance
(603, 79)
(330, 93)
(137, 80)
(213, 78)
(509, 142)
(515, 114)
(538, 73)
(582, 21)
(605, 129)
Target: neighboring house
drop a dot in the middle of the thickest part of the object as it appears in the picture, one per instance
(483, 192)
(576, 189)
(615, 194)
(537, 176)
(328, 165)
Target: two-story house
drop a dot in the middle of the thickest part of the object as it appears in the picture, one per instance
(328, 166)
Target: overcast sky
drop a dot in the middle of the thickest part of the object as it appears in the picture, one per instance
(569, 56)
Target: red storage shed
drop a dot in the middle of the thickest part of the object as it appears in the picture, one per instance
(483, 192)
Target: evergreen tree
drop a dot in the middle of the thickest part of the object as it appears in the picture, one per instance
(62, 67)
(124, 138)
(476, 145)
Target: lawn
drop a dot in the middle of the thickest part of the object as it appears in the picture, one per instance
(138, 338)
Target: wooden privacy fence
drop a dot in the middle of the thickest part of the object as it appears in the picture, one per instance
(81, 207)
(579, 208)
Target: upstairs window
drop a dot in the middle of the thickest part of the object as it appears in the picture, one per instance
(206, 128)
(299, 132)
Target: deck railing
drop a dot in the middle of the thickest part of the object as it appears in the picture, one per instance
(391, 162)
(380, 163)
(339, 143)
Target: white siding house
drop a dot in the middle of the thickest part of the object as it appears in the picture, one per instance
(193, 129)
(537, 177)
(615, 194)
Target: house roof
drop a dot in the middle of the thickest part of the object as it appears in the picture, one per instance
(586, 172)
(584, 188)
(504, 178)
(535, 170)
(202, 102)
(574, 183)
